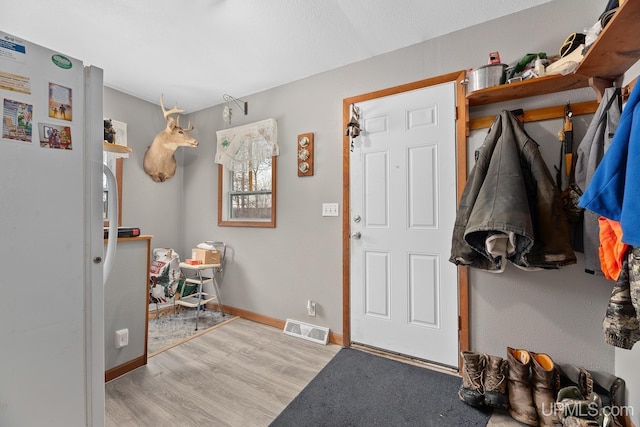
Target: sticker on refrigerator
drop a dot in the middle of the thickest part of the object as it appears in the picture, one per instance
(16, 120)
(60, 101)
(55, 136)
(61, 61)
(12, 48)
(15, 82)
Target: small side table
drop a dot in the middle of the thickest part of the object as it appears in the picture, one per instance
(193, 274)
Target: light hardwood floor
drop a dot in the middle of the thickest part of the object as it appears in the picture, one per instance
(240, 374)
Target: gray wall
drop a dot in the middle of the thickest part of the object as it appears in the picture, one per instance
(125, 298)
(274, 271)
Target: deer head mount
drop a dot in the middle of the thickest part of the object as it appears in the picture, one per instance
(159, 161)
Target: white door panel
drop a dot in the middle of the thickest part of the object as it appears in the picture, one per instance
(403, 201)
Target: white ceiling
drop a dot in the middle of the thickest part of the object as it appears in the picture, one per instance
(197, 50)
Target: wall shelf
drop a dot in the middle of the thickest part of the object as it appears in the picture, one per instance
(115, 148)
(539, 86)
(615, 50)
(617, 47)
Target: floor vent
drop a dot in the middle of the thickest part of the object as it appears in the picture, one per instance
(307, 331)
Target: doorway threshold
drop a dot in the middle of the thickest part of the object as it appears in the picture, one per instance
(406, 359)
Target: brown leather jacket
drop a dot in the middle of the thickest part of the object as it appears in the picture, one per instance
(510, 198)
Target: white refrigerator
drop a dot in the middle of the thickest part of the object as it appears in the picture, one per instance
(51, 238)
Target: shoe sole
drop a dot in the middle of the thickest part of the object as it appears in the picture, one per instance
(496, 400)
(475, 400)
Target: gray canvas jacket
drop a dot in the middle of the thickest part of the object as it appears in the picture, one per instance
(510, 208)
(589, 154)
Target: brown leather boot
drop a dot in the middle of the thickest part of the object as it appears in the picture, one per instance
(495, 383)
(543, 383)
(521, 405)
(473, 365)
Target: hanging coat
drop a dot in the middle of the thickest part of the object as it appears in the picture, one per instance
(589, 154)
(510, 209)
(614, 190)
(620, 323)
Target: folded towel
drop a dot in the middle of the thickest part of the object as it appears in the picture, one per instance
(205, 246)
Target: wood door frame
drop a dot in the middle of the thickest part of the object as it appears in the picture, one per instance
(462, 131)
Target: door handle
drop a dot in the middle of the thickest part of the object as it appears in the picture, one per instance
(356, 235)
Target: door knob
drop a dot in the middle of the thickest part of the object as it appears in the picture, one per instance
(356, 235)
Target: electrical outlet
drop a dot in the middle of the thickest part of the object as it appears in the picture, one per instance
(330, 209)
(311, 308)
(122, 338)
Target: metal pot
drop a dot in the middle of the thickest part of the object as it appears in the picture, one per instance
(486, 76)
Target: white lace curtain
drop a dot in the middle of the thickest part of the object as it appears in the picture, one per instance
(241, 145)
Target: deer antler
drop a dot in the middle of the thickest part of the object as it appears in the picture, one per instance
(188, 128)
(169, 112)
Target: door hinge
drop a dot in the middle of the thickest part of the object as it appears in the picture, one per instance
(459, 323)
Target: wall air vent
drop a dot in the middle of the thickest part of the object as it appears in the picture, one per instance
(309, 332)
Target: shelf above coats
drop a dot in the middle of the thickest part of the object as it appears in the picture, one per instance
(615, 50)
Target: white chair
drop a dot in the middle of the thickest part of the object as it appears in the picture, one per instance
(194, 275)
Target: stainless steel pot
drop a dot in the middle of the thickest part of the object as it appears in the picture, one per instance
(486, 76)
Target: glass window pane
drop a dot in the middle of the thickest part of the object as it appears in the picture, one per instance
(251, 206)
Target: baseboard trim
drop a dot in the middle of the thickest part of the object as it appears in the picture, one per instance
(119, 370)
(161, 311)
(267, 320)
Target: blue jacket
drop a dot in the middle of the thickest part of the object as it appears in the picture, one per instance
(614, 190)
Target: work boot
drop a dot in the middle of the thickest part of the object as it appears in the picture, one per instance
(543, 376)
(473, 365)
(495, 383)
(521, 405)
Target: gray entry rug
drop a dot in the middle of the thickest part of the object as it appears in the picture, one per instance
(172, 329)
(357, 388)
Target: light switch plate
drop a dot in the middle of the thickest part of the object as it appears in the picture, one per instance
(330, 209)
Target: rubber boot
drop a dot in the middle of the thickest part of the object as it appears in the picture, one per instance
(543, 376)
(521, 406)
(572, 402)
(579, 422)
(471, 391)
(578, 410)
(495, 383)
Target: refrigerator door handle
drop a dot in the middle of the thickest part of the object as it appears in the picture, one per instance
(112, 202)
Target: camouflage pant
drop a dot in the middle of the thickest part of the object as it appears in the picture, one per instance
(621, 322)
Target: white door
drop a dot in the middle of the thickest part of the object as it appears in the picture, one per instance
(404, 291)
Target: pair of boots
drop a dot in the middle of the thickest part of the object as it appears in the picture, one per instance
(532, 388)
(484, 380)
